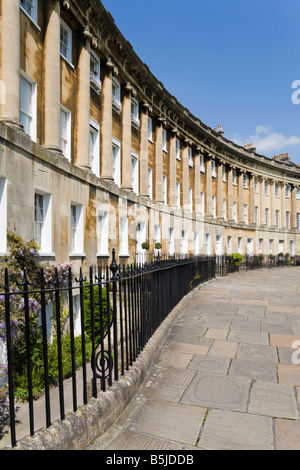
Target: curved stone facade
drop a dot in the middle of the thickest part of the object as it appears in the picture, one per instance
(107, 158)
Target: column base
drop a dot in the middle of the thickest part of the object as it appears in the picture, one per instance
(14, 122)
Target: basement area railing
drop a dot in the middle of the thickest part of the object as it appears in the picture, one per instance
(88, 329)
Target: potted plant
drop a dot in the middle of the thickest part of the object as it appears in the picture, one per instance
(145, 246)
(157, 246)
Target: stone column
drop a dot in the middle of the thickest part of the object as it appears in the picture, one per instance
(262, 203)
(241, 198)
(126, 139)
(143, 167)
(230, 194)
(158, 161)
(52, 85)
(272, 204)
(172, 171)
(83, 105)
(251, 200)
(283, 206)
(220, 192)
(185, 177)
(294, 207)
(10, 62)
(208, 188)
(197, 188)
(106, 123)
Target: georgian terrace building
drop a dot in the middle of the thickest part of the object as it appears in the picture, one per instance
(95, 153)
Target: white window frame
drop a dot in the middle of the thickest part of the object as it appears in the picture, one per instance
(116, 161)
(165, 189)
(292, 248)
(123, 236)
(31, 113)
(224, 209)
(219, 245)
(213, 169)
(267, 216)
(246, 214)
(184, 243)
(288, 191)
(66, 30)
(214, 206)
(77, 230)
(164, 140)
(150, 183)
(270, 247)
(3, 216)
(245, 181)
(191, 199)
(255, 184)
(102, 232)
(190, 157)
(207, 244)
(229, 245)
(25, 7)
(178, 146)
(266, 186)
(298, 220)
(234, 211)
(202, 203)
(95, 149)
(234, 177)
(276, 190)
(277, 218)
(95, 81)
(116, 95)
(202, 164)
(260, 246)
(256, 215)
(150, 129)
(135, 171)
(298, 193)
(157, 235)
(44, 222)
(224, 173)
(288, 219)
(65, 141)
(196, 244)
(135, 119)
(171, 242)
(178, 194)
(240, 245)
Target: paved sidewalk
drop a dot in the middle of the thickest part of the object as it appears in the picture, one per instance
(226, 377)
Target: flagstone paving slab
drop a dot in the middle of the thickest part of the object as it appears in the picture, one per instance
(210, 364)
(249, 337)
(287, 434)
(229, 430)
(275, 400)
(256, 352)
(289, 374)
(218, 391)
(256, 370)
(172, 421)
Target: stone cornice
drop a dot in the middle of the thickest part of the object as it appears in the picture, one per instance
(149, 89)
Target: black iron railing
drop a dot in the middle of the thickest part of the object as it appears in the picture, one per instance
(119, 310)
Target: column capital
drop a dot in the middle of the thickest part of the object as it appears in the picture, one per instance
(130, 89)
(113, 68)
(147, 106)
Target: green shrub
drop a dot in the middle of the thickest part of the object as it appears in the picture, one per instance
(100, 304)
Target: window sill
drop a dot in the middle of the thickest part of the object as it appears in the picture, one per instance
(77, 255)
(31, 19)
(124, 255)
(67, 61)
(46, 255)
(103, 255)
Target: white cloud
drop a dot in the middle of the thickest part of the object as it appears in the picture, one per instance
(266, 141)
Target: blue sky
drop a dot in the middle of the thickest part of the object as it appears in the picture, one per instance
(230, 62)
